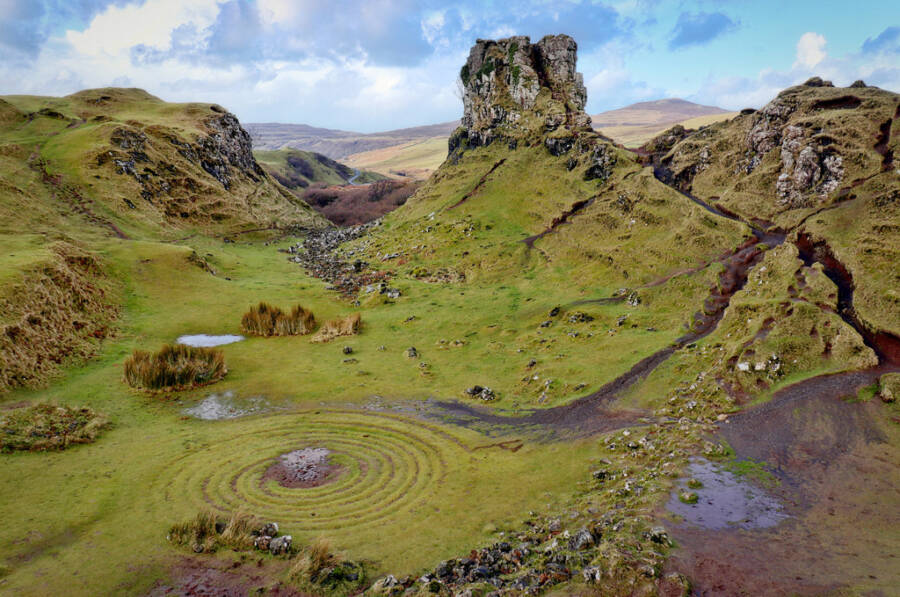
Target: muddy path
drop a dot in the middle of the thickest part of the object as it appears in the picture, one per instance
(836, 464)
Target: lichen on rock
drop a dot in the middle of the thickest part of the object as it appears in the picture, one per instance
(513, 89)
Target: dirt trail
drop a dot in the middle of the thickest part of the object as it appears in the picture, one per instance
(478, 185)
(558, 221)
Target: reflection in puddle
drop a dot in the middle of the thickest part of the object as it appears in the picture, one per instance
(226, 405)
(725, 500)
(206, 341)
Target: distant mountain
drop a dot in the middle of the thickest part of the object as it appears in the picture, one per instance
(338, 144)
(638, 123)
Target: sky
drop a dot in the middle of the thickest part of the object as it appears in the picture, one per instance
(371, 65)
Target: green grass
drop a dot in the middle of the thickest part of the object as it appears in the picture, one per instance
(149, 470)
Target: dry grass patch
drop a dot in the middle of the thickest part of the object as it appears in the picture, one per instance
(206, 533)
(317, 568)
(54, 317)
(267, 320)
(347, 326)
(174, 367)
(49, 427)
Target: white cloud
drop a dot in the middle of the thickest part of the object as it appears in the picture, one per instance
(810, 50)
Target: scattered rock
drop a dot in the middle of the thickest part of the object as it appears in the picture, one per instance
(481, 392)
(411, 352)
(348, 350)
(280, 545)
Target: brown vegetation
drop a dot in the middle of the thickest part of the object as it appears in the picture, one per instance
(174, 367)
(267, 320)
(49, 427)
(353, 205)
(206, 533)
(348, 326)
(54, 317)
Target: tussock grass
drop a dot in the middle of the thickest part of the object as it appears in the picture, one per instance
(174, 367)
(267, 320)
(313, 559)
(49, 427)
(55, 316)
(333, 328)
(317, 568)
(206, 533)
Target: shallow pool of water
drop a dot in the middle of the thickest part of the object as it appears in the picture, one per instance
(725, 500)
(206, 340)
(226, 405)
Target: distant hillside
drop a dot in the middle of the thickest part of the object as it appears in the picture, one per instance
(338, 144)
(126, 163)
(296, 169)
(634, 125)
(414, 159)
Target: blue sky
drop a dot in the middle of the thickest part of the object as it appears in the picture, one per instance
(371, 65)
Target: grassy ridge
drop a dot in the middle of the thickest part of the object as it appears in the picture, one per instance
(297, 169)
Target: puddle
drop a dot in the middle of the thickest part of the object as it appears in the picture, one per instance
(226, 405)
(725, 500)
(206, 341)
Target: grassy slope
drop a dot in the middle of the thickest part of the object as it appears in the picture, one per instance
(309, 167)
(96, 499)
(81, 524)
(65, 145)
(415, 159)
(863, 231)
(635, 135)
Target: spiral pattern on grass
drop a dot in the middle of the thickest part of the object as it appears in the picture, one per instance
(389, 465)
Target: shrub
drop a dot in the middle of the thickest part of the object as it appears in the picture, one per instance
(352, 205)
(266, 320)
(49, 427)
(174, 367)
(348, 326)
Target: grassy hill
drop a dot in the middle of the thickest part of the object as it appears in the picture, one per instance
(834, 179)
(296, 169)
(551, 318)
(413, 159)
(338, 144)
(634, 125)
(127, 162)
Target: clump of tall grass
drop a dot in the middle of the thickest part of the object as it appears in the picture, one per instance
(313, 560)
(316, 569)
(205, 533)
(49, 427)
(347, 326)
(267, 320)
(174, 367)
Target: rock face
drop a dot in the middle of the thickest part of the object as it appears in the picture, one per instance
(515, 89)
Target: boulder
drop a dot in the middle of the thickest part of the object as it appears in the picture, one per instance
(280, 545)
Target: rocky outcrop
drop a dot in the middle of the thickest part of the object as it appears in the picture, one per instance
(514, 90)
(805, 167)
(227, 146)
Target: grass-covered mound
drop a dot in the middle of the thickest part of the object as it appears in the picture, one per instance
(49, 427)
(174, 367)
(53, 313)
(333, 328)
(131, 164)
(268, 320)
